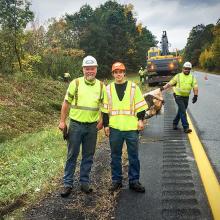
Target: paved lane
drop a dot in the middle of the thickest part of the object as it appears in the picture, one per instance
(206, 116)
(168, 171)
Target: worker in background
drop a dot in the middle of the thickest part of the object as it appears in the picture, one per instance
(83, 98)
(141, 75)
(183, 84)
(123, 115)
(66, 77)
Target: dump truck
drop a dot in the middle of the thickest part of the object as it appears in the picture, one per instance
(161, 65)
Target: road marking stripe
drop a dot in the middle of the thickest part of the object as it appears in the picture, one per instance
(207, 174)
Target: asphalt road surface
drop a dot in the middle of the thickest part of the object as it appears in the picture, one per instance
(169, 173)
(206, 116)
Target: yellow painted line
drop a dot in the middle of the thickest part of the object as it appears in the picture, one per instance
(210, 182)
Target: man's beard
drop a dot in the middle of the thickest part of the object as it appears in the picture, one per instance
(186, 73)
(90, 78)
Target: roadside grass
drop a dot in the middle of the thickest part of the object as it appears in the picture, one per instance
(28, 105)
(29, 163)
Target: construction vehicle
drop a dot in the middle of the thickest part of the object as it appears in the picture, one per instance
(161, 65)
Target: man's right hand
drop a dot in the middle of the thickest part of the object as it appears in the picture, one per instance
(62, 126)
(107, 131)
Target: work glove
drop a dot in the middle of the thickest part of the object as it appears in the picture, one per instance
(194, 99)
(65, 133)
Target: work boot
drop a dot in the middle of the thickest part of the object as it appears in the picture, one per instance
(187, 130)
(137, 187)
(85, 188)
(66, 192)
(175, 127)
(116, 186)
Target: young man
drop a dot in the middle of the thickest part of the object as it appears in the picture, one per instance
(83, 98)
(184, 82)
(123, 114)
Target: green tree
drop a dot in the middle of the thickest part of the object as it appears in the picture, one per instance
(14, 17)
(59, 35)
(35, 40)
(110, 33)
(216, 45)
(206, 60)
(200, 38)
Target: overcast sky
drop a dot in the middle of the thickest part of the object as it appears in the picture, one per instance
(176, 17)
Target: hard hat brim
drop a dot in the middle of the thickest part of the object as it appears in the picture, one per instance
(86, 65)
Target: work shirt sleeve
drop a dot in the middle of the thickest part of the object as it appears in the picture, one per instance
(104, 107)
(70, 92)
(173, 81)
(139, 101)
(194, 83)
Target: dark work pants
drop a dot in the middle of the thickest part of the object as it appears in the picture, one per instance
(85, 134)
(142, 79)
(182, 103)
(117, 139)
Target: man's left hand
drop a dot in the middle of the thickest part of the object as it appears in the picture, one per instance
(194, 99)
(140, 125)
(99, 125)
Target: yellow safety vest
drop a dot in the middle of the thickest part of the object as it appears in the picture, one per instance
(123, 114)
(85, 100)
(183, 84)
(141, 72)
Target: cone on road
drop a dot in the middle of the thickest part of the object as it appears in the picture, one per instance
(206, 77)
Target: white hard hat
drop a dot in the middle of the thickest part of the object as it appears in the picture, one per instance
(89, 61)
(187, 65)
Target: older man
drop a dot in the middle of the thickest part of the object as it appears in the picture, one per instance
(83, 98)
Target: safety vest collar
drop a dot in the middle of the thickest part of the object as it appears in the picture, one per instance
(89, 83)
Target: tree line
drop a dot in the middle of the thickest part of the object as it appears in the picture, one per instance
(109, 32)
(203, 46)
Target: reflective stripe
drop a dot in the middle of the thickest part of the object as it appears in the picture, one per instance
(101, 88)
(133, 87)
(178, 76)
(108, 89)
(105, 106)
(84, 108)
(76, 91)
(122, 112)
(69, 95)
(140, 104)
